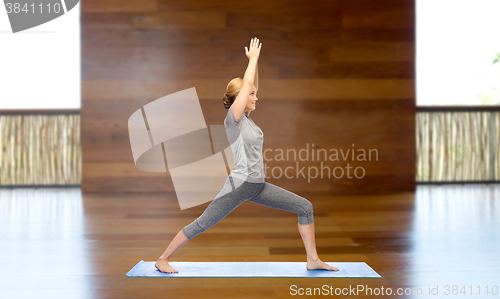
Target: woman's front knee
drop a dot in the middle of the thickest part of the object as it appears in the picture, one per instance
(308, 206)
(307, 215)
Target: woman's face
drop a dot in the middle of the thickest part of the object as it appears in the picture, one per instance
(252, 99)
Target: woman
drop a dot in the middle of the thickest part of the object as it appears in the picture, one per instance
(246, 181)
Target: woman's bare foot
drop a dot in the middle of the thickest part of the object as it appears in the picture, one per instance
(164, 266)
(319, 265)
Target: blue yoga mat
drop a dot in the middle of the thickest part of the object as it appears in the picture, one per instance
(252, 269)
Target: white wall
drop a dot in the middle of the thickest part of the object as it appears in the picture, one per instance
(40, 67)
(456, 43)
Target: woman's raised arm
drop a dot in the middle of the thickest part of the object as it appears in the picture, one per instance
(256, 83)
(240, 102)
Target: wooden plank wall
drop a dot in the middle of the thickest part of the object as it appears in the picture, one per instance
(333, 73)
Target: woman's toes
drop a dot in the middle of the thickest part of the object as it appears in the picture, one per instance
(331, 268)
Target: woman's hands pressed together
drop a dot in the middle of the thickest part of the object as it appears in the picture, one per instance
(254, 50)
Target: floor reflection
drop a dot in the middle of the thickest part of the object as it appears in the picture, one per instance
(456, 232)
(42, 246)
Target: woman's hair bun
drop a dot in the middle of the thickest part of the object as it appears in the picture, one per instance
(232, 90)
(227, 100)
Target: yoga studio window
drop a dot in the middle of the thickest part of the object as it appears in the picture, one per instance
(457, 91)
(40, 95)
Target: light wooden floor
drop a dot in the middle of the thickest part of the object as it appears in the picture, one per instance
(56, 243)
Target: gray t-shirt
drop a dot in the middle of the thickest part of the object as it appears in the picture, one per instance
(246, 139)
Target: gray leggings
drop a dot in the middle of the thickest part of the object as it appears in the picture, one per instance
(264, 194)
